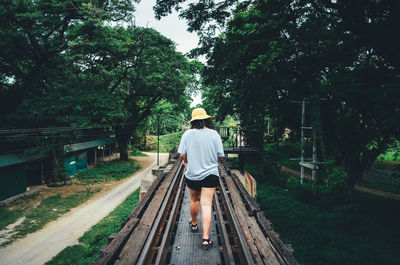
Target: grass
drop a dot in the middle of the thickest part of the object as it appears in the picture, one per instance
(167, 142)
(338, 226)
(109, 171)
(37, 217)
(10, 214)
(383, 176)
(53, 207)
(361, 230)
(91, 242)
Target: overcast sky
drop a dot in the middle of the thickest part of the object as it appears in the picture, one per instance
(170, 26)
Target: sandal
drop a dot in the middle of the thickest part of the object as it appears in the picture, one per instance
(208, 245)
(193, 227)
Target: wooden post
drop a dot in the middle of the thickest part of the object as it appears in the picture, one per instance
(95, 155)
(42, 172)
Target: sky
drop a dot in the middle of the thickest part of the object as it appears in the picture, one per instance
(170, 26)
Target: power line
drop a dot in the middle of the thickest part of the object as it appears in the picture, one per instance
(66, 128)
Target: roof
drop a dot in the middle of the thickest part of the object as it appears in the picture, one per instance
(13, 159)
(87, 145)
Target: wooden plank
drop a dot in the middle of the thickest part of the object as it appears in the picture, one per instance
(249, 201)
(111, 251)
(261, 249)
(283, 250)
(133, 247)
(308, 165)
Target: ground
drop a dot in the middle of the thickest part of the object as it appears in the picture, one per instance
(39, 247)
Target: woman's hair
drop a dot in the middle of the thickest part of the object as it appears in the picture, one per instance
(199, 124)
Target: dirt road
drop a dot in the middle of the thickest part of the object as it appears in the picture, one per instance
(39, 247)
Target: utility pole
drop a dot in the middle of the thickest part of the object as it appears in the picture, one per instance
(158, 139)
(314, 162)
(303, 111)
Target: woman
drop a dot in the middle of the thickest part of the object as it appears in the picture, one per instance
(200, 148)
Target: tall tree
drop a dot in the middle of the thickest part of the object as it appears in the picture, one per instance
(274, 51)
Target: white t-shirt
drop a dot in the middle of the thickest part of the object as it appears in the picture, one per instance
(202, 148)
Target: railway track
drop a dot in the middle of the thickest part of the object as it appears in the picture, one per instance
(157, 231)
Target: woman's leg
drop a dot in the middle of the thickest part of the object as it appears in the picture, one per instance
(194, 204)
(206, 202)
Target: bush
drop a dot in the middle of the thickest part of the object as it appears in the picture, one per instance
(303, 192)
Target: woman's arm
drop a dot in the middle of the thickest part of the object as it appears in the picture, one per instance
(183, 156)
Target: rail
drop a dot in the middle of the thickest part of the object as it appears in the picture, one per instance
(149, 236)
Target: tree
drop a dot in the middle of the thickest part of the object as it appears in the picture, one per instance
(275, 51)
(91, 77)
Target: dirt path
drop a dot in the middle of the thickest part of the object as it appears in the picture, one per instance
(39, 247)
(359, 188)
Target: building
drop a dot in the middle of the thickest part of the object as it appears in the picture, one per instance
(19, 171)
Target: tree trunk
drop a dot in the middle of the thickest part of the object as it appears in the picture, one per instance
(123, 141)
(355, 171)
(56, 165)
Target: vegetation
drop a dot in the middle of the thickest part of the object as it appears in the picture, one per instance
(337, 226)
(36, 217)
(391, 154)
(109, 171)
(167, 142)
(76, 71)
(135, 152)
(382, 176)
(361, 230)
(339, 55)
(91, 242)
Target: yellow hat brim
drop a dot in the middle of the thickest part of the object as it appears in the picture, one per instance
(201, 117)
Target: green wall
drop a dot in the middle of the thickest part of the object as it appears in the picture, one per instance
(13, 180)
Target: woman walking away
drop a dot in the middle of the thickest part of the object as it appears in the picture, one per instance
(200, 148)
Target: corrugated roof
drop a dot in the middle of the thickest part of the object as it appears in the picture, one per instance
(13, 159)
(86, 145)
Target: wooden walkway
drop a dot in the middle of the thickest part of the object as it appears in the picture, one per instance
(157, 231)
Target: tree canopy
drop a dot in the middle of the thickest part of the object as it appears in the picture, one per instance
(341, 56)
(77, 71)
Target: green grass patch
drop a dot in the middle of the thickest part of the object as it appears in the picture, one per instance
(167, 141)
(108, 171)
(37, 217)
(11, 213)
(136, 152)
(90, 243)
(363, 229)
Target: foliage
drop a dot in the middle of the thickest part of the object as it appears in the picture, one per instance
(273, 52)
(167, 142)
(88, 249)
(109, 171)
(391, 154)
(328, 236)
(135, 152)
(169, 117)
(82, 71)
(382, 176)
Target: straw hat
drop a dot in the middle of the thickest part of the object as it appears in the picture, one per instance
(199, 114)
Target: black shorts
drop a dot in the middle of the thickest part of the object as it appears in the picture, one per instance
(210, 181)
